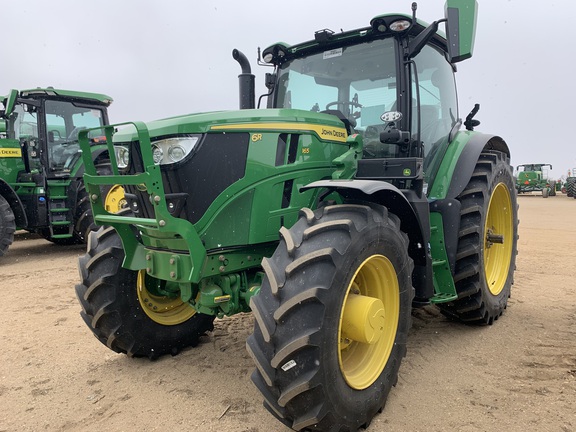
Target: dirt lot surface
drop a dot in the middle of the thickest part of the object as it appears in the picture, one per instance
(517, 375)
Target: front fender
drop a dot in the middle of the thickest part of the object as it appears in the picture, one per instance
(378, 192)
(412, 211)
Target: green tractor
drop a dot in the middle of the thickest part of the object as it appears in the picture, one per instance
(534, 178)
(354, 197)
(41, 168)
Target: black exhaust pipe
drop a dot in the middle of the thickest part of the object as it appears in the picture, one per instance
(245, 81)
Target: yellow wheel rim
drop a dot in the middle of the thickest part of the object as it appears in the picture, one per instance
(164, 310)
(498, 239)
(368, 322)
(115, 199)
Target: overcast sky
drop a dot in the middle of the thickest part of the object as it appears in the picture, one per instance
(164, 58)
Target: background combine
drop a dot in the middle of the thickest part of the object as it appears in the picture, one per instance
(534, 178)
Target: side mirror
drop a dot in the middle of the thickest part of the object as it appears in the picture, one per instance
(392, 135)
(9, 102)
(460, 28)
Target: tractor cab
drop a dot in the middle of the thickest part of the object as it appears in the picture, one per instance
(360, 83)
(46, 123)
(392, 83)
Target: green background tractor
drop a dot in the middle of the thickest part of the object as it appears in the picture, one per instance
(354, 196)
(534, 178)
(41, 187)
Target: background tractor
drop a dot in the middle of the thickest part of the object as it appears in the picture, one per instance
(355, 196)
(534, 178)
(41, 187)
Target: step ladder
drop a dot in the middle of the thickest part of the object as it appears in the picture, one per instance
(60, 217)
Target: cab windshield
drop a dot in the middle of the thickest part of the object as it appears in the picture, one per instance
(358, 81)
(64, 120)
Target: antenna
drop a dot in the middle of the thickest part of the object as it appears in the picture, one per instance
(414, 7)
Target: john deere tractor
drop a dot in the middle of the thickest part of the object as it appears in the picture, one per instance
(41, 187)
(534, 178)
(356, 195)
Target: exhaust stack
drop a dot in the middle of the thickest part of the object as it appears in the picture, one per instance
(245, 81)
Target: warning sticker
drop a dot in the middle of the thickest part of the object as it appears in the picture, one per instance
(288, 365)
(332, 53)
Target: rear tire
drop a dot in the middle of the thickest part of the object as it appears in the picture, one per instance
(570, 186)
(113, 306)
(485, 267)
(552, 188)
(84, 219)
(332, 270)
(7, 226)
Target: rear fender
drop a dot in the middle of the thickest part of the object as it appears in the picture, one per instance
(444, 201)
(468, 158)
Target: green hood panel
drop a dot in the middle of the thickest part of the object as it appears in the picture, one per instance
(326, 126)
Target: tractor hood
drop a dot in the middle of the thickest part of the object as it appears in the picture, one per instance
(326, 126)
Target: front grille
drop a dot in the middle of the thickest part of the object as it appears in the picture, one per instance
(191, 185)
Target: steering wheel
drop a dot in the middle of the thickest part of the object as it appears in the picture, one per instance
(73, 136)
(337, 103)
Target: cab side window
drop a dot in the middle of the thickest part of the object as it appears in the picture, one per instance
(438, 101)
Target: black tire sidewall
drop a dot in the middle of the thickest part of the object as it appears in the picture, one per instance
(84, 219)
(124, 326)
(7, 225)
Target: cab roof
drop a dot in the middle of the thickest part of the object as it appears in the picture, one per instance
(72, 94)
(326, 39)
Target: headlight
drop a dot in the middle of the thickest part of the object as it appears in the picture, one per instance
(122, 156)
(171, 150)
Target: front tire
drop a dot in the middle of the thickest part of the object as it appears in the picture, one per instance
(123, 311)
(332, 317)
(7, 226)
(487, 242)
